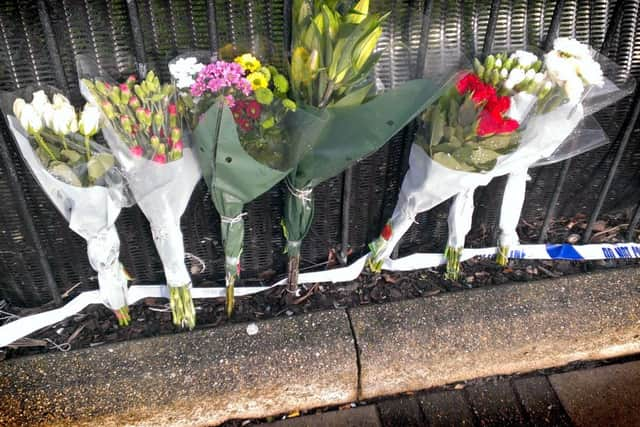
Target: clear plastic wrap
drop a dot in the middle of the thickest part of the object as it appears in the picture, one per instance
(162, 189)
(90, 210)
(545, 135)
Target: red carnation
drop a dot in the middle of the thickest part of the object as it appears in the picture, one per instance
(490, 124)
(386, 232)
(498, 104)
(483, 92)
(468, 83)
(253, 110)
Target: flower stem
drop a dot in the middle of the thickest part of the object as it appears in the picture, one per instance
(41, 142)
(230, 301)
(182, 309)
(64, 141)
(502, 257)
(453, 262)
(294, 270)
(87, 147)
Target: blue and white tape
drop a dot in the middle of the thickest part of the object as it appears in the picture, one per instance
(24, 326)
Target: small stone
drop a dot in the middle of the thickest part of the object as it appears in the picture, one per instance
(252, 329)
(573, 238)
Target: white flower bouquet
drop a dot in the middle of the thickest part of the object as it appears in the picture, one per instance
(80, 177)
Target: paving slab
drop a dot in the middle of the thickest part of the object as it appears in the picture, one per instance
(199, 378)
(495, 404)
(404, 411)
(362, 416)
(423, 343)
(605, 396)
(540, 402)
(446, 408)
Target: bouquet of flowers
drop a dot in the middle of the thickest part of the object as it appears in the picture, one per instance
(237, 110)
(501, 117)
(332, 59)
(80, 177)
(143, 128)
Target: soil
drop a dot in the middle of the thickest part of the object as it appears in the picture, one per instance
(97, 325)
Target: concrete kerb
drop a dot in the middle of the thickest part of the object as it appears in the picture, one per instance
(209, 376)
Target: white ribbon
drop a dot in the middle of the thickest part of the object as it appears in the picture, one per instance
(24, 326)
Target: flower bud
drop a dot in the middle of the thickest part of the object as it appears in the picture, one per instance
(107, 109)
(18, 105)
(136, 150)
(64, 119)
(155, 142)
(131, 80)
(498, 63)
(40, 101)
(114, 95)
(178, 145)
(126, 124)
(530, 74)
(134, 102)
(59, 100)
(125, 93)
(172, 109)
(89, 120)
(508, 64)
(142, 94)
(101, 88)
(489, 63)
(30, 119)
(158, 119)
(504, 73)
(175, 134)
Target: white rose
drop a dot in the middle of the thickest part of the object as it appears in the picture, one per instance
(30, 119)
(59, 100)
(89, 120)
(40, 101)
(47, 115)
(63, 120)
(516, 76)
(574, 89)
(559, 68)
(525, 59)
(572, 47)
(530, 74)
(18, 105)
(591, 72)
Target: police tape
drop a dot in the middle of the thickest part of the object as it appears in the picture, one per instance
(24, 326)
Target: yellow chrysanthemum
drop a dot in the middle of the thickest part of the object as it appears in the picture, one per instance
(258, 80)
(248, 62)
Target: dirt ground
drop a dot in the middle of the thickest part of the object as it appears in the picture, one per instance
(96, 325)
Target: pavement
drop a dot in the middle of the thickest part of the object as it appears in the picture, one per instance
(595, 397)
(332, 358)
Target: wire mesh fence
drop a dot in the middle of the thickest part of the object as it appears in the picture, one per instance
(40, 257)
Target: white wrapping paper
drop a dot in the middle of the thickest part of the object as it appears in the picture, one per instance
(428, 183)
(91, 212)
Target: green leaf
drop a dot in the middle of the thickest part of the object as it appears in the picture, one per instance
(355, 97)
(467, 113)
(481, 156)
(64, 173)
(500, 142)
(444, 148)
(453, 111)
(98, 165)
(464, 154)
(71, 156)
(448, 161)
(437, 126)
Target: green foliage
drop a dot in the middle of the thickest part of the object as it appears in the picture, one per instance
(448, 134)
(333, 44)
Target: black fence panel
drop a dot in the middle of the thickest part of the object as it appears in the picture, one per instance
(40, 258)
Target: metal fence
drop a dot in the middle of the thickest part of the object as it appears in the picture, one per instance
(40, 257)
